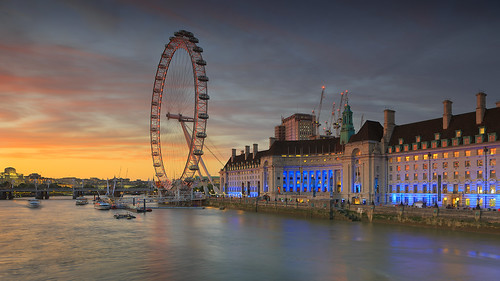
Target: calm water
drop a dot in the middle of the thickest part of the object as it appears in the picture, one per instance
(61, 241)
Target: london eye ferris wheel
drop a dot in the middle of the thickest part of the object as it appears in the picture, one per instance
(179, 111)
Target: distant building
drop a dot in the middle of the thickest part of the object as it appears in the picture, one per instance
(299, 126)
(10, 175)
(444, 161)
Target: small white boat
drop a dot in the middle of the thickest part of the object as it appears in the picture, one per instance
(81, 201)
(34, 203)
(100, 205)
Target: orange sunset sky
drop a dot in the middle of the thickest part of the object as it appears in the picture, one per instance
(76, 77)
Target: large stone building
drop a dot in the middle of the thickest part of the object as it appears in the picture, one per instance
(388, 164)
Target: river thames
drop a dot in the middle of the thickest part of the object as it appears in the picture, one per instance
(62, 241)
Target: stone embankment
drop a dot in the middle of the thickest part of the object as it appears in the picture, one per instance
(455, 219)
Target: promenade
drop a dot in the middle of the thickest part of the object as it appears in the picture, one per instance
(484, 220)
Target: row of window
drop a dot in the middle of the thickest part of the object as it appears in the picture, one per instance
(445, 155)
(456, 164)
(467, 175)
(446, 188)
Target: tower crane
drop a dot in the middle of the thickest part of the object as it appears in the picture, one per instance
(318, 124)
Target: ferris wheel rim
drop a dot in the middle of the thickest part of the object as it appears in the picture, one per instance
(182, 40)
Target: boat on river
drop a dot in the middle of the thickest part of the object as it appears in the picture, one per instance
(124, 216)
(34, 203)
(81, 201)
(101, 205)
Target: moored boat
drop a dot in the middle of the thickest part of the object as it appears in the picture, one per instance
(34, 203)
(100, 205)
(81, 201)
(124, 216)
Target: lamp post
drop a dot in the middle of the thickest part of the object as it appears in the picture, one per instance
(485, 175)
(429, 155)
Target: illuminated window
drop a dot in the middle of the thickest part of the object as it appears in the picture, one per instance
(445, 165)
(480, 152)
(398, 168)
(434, 165)
(492, 137)
(479, 138)
(400, 141)
(467, 188)
(435, 156)
(415, 146)
(458, 133)
(467, 174)
(479, 163)
(456, 164)
(398, 159)
(455, 175)
(444, 143)
(407, 176)
(390, 149)
(492, 202)
(493, 151)
(390, 160)
(415, 157)
(482, 130)
(436, 136)
(407, 167)
(407, 158)
(466, 140)
(417, 138)
(493, 162)
(415, 167)
(492, 189)
(434, 144)
(467, 153)
(434, 175)
(425, 167)
(425, 157)
(415, 177)
(406, 147)
(493, 174)
(445, 175)
(456, 141)
(445, 155)
(424, 145)
(398, 149)
(456, 154)
(479, 174)
(479, 189)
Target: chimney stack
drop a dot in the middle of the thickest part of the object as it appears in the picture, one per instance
(481, 107)
(389, 117)
(233, 154)
(446, 114)
(255, 149)
(247, 151)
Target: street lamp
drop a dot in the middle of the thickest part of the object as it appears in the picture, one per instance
(429, 155)
(485, 175)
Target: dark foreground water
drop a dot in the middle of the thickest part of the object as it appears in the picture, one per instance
(61, 241)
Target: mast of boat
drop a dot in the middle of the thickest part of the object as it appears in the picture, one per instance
(107, 186)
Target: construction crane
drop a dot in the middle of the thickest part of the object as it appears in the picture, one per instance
(336, 117)
(318, 124)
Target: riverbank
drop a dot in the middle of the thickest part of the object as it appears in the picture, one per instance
(483, 221)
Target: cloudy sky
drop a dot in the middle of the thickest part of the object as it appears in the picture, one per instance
(76, 77)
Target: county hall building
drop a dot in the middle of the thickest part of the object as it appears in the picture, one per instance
(445, 161)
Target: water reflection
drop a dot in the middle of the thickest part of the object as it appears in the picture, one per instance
(64, 241)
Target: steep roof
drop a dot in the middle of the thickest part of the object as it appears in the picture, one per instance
(371, 130)
(464, 122)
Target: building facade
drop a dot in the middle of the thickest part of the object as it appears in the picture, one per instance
(299, 126)
(444, 161)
